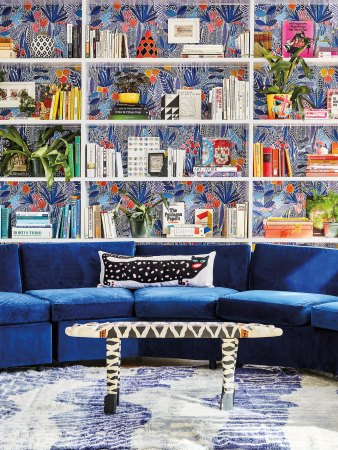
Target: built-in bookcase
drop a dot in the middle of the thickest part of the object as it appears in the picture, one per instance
(220, 22)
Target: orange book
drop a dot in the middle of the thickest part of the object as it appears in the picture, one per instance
(275, 162)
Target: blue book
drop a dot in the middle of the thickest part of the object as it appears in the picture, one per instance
(73, 213)
(65, 222)
(59, 225)
(5, 219)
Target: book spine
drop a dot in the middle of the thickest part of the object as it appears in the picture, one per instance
(288, 162)
(36, 233)
(69, 40)
(77, 156)
(5, 222)
(87, 41)
(65, 222)
(267, 162)
(275, 162)
(71, 159)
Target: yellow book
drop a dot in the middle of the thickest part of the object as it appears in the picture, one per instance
(68, 105)
(255, 159)
(72, 104)
(258, 159)
(288, 162)
(79, 104)
(261, 159)
(76, 103)
(61, 106)
(55, 109)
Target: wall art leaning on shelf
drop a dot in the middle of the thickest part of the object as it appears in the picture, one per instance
(195, 195)
(26, 22)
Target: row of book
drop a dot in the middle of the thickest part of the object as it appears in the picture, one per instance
(65, 103)
(74, 41)
(176, 162)
(103, 162)
(235, 223)
(125, 111)
(99, 223)
(230, 101)
(216, 171)
(322, 165)
(69, 220)
(271, 161)
(32, 225)
(242, 44)
(7, 48)
(106, 44)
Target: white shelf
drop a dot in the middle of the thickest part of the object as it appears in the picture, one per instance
(333, 61)
(295, 123)
(43, 61)
(286, 179)
(39, 122)
(165, 122)
(170, 179)
(315, 239)
(144, 240)
(153, 62)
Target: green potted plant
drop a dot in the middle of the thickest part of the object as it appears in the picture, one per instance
(128, 85)
(283, 96)
(47, 157)
(140, 217)
(323, 210)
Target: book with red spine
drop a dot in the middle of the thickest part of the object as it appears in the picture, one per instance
(267, 162)
(275, 162)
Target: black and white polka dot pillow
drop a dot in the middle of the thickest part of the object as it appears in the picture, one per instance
(165, 270)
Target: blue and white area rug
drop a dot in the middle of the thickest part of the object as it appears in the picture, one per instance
(164, 408)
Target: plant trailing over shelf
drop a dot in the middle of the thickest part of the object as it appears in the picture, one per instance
(323, 210)
(140, 217)
(52, 155)
(282, 89)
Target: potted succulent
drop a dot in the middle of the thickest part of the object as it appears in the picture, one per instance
(323, 210)
(140, 217)
(46, 159)
(128, 85)
(283, 96)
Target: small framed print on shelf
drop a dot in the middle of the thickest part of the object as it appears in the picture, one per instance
(183, 31)
(10, 93)
(156, 163)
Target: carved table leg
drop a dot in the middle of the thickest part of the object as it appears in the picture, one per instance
(229, 357)
(113, 356)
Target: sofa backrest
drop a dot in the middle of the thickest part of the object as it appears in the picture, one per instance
(232, 262)
(66, 265)
(10, 276)
(295, 268)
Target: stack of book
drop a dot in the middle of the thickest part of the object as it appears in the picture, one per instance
(216, 171)
(270, 161)
(7, 48)
(288, 227)
(60, 102)
(185, 230)
(230, 101)
(32, 225)
(74, 157)
(5, 221)
(106, 44)
(103, 162)
(69, 220)
(74, 41)
(126, 111)
(202, 51)
(322, 166)
(99, 223)
(242, 43)
(262, 39)
(235, 223)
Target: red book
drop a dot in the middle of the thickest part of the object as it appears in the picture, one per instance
(282, 163)
(267, 162)
(275, 162)
(330, 156)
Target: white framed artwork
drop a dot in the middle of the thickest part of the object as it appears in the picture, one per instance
(183, 31)
(10, 93)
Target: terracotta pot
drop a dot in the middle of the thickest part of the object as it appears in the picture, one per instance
(129, 97)
(279, 106)
(330, 229)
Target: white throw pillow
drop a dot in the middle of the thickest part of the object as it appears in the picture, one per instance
(163, 270)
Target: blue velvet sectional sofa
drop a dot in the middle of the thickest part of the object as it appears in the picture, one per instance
(46, 287)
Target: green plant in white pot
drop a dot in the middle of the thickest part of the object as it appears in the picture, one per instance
(283, 96)
(323, 210)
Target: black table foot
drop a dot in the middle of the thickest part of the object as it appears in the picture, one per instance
(110, 403)
(212, 365)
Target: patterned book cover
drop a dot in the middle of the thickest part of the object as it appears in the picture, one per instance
(293, 33)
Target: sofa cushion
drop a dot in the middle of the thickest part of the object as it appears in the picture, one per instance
(21, 308)
(270, 307)
(150, 271)
(178, 302)
(10, 276)
(325, 316)
(295, 268)
(73, 265)
(87, 303)
(231, 266)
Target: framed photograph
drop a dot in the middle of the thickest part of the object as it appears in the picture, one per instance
(10, 93)
(155, 164)
(183, 31)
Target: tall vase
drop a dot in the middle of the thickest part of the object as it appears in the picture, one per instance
(36, 167)
(42, 46)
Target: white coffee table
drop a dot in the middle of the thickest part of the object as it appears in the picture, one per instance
(229, 332)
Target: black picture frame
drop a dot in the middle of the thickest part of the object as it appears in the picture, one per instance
(156, 164)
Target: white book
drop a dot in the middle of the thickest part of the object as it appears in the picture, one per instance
(119, 165)
(32, 232)
(104, 224)
(190, 104)
(69, 38)
(90, 222)
(218, 96)
(240, 220)
(91, 41)
(91, 160)
(112, 225)
(86, 222)
(87, 36)
(126, 45)
(174, 215)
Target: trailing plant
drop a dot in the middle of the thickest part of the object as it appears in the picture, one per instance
(27, 103)
(281, 71)
(131, 82)
(53, 154)
(143, 212)
(323, 208)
